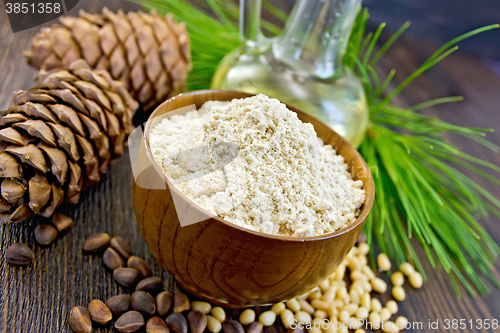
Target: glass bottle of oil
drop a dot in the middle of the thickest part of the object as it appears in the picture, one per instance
(302, 66)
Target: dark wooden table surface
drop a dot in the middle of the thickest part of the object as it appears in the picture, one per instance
(38, 298)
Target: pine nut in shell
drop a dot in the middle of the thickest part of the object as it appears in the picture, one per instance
(177, 323)
(130, 321)
(112, 259)
(127, 277)
(62, 222)
(45, 234)
(118, 304)
(99, 312)
(156, 325)
(143, 302)
(79, 320)
(152, 285)
(255, 327)
(398, 293)
(232, 326)
(213, 324)
(416, 280)
(197, 321)
(181, 303)
(163, 302)
(97, 242)
(121, 246)
(267, 318)
(219, 314)
(19, 254)
(248, 316)
(140, 265)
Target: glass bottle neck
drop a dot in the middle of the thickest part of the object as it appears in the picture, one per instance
(316, 34)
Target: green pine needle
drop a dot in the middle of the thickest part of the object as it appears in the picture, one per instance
(421, 196)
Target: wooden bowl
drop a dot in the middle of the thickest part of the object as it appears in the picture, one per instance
(227, 264)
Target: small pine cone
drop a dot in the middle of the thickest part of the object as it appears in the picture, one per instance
(59, 137)
(149, 53)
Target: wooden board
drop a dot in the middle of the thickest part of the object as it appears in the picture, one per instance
(38, 298)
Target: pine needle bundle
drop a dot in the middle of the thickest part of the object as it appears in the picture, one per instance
(420, 192)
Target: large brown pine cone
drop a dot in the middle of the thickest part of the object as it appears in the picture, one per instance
(58, 137)
(149, 53)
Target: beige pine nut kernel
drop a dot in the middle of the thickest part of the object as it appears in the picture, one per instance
(366, 301)
(397, 278)
(344, 316)
(360, 330)
(376, 305)
(267, 318)
(343, 329)
(324, 286)
(415, 280)
(385, 314)
(358, 286)
(213, 324)
(383, 262)
(319, 305)
(320, 314)
(303, 317)
(392, 306)
(331, 327)
(355, 297)
(401, 322)
(339, 273)
(306, 306)
(314, 330)
(362, 260)
(353, 263)
(406, 268)
(379, 285)
(375, 319)
(366, 286)
(219, 314)
(358, 275)
(346, 299)
(351, 308)
(203, 307)
(303, 296)
(248, 316)
(361, 313)
(389, 327)
(329, 296)
(353, 252)
(278, 307)
(368, 272)
(333, 312)
(293, 305)
(354, 324)
(287, 318)
(363, 249)
(315, 295)
(338, 303)
(398, 293)
(342, 292)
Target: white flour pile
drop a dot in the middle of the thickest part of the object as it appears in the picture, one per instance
(283, 181)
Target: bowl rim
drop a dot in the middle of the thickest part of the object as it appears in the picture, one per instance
(366, 207)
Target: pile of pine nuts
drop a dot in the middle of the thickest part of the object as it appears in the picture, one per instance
(335, 307)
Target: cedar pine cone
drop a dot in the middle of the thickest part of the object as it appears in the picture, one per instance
(149, 53)
(58, 137)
